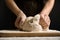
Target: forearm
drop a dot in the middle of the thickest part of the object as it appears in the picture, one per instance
(48, 7)
(14, 8)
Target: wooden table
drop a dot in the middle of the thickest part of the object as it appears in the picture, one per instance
(16, 33)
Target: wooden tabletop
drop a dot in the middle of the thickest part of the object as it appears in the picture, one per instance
(16, 33)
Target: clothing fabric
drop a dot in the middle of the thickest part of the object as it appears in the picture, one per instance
(30, 7)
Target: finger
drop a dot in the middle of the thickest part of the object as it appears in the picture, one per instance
(17, 22)
(21, 23)
(48, 21)
(43, 23)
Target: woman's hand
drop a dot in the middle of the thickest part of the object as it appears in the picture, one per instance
(45, 21)
(20, 19)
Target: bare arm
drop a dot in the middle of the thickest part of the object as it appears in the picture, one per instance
(19, 13)
(12, 5)
(45, 19)
(48, 7)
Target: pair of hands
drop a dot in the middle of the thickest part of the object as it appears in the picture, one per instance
(44, 20)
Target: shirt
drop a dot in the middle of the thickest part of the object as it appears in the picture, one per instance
(30, 7)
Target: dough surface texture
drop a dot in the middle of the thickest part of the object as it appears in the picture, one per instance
(31, 24)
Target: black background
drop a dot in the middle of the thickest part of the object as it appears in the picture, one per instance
(7, 18)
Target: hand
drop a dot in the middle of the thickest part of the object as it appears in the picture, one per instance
(45, 21)
(20, 19)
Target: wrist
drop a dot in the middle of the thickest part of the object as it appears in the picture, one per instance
(44, 14)
(20, 13)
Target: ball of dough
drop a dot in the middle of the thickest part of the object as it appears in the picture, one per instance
(31, 24)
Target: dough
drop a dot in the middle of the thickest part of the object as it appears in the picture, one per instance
(31, 24)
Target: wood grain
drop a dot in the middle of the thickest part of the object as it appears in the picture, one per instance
(16, 33)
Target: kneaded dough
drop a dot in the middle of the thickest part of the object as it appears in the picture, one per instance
(31, 24)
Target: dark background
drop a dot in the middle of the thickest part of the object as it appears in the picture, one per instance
(7, 18)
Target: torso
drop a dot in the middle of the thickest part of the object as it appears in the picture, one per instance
(30, 7)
